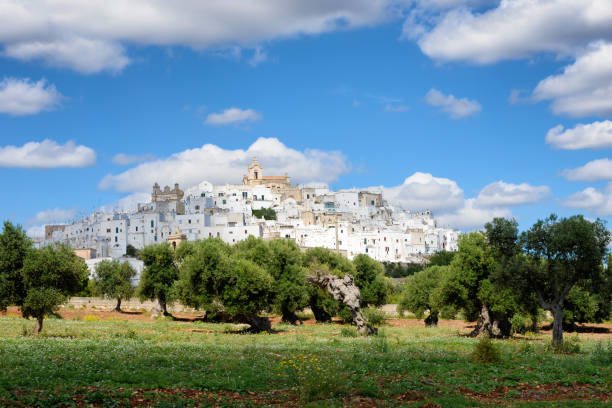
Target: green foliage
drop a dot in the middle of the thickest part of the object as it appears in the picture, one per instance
(290, 286)
(397, 270)
(486, 352)
(441, 258)
(131, 251)
(349, 332)
(422, 292)
(375, 317)
(602, 354)
(159, 274)
(266, 213)
(14, 247)
(213, 275)
(88, 290)
(113, 279)
(370, 279)
(50, 275)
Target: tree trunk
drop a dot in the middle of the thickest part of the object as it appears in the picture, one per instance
(258, 324)
(321, 316)
(118, 307)
(344, 290)
(164, 309)
(432, 319)
(290, 317)
(39, 325)
(484, 323)
(557, 336)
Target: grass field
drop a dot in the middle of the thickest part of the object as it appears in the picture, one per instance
(114, 362)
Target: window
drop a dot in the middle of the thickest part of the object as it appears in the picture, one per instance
(372, 202)
(116, 230)
(256, 175)
(234, 194)
(366, 250)
(115, 238)
(189, 221)
(136, 229)
(197, 207)
(203, 195)
(220, 194)
(108, 230)
(245, 194)
(365, 240)
(155, 238)
(224, 201)
(152, 223)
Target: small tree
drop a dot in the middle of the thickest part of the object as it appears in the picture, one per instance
(422, 294)
(159, 274)
(564, 252)
(14, 247)
(441, 258)
(50, 276)
(113, 279)
(370, 279)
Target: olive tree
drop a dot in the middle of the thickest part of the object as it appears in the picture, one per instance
(159, 274)
(50, 276)
(371, 281)
(564, 252)
(422, 294)
(113, 279)
(14, 247)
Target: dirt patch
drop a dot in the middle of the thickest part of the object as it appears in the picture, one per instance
(127, 315)
(541, 392)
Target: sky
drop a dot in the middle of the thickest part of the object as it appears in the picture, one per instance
(473, 109)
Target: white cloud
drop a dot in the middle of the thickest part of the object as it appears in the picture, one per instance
(502, 194)
(127, 203)
(259, 57)
(127, 159)
(396, 108)
(24, 97)
(220, 166)
(595, 201)
(54, 215)
(455, 107)
(80, 54)
(232, 115)
(600, 169)
(470, 216)
(422, 191)
(517, 29)
(596, 135)
(89, 36)
(36, 231)
(584, 88)
(47, 154)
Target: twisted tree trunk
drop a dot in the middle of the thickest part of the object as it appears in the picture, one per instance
(290, 317)
(118, 307)
(39, 325)
(344, 290)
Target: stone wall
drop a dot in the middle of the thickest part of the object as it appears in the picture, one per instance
(131, 304)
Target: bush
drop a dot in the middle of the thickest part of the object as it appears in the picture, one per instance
(602, 354)
(375, 317)
(348, 332)
(486, 352)
(570, 346)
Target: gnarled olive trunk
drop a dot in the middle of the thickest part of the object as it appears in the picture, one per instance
(39, 325)
(432, 319)
(344, 290)
(258, 324)
(118, 307)
(491, 326)
(557, 335)
(320, 315)
(290, 317)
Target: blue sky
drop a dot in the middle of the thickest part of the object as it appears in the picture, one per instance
(444, 104)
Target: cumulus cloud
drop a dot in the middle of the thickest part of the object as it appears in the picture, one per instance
(396, 108)
(89, 36)
(517, 29)
(128, 203)
(502, 194)
(596, 135)
(47, 154)
(456, 108)
(593, 200)
(585, 87)
(127, 159)
(600, 169)
(470, 216)
(54, 215)
(231, 116)
(23, 97)
(36, 231)
(218, 166)
(423, 191)
(80, 54)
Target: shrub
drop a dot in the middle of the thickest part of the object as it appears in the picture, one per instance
(602, 354)
(375, 317)
(570, 346)
(348, 332)
(485, 352)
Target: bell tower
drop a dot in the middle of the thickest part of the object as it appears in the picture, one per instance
(255, 175)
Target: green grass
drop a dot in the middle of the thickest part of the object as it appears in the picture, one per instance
(174, 364)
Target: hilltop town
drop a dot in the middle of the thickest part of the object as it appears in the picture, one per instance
(351, 222)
